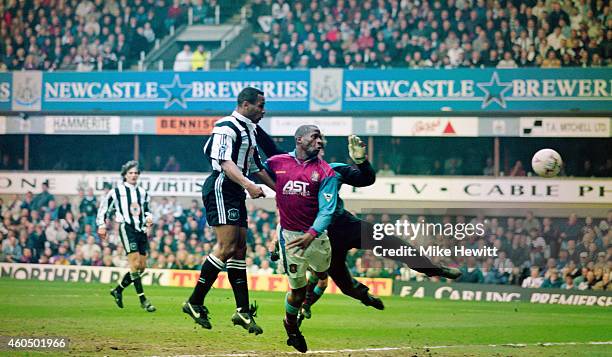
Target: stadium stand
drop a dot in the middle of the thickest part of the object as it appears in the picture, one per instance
(108, 35)
(430, 34)
(37, 229)
(92, 35)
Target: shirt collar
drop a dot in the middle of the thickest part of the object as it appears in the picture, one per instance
(242, 118)
(294, 155)
(128, 184)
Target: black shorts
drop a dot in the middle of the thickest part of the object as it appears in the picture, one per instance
(132, 240)
(224, 201)
(347, 232)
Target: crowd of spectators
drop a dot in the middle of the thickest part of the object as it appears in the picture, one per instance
(431, 34)
(572, 253)
(86, 35)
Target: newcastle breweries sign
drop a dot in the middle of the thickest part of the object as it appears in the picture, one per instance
(501, 293)
(468, 90)
(171, 92)
(332, 90)
(163, 277)
(398, 188)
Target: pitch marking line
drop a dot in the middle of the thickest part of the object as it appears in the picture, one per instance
(383, 349)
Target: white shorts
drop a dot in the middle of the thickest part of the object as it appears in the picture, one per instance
(296, 261)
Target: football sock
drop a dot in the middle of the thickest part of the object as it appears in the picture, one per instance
(138, 286)
(290, 311)
(236, 273)
(125, 282)
(210, 270)
(312, 283)
(317, 293)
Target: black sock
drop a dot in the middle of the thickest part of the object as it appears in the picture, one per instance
(236, 273)
(127, 280)
(359, 291)
(210, 270)
(138, 285)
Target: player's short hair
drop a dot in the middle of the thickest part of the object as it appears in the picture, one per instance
(128, 166)
(305, 129)
(249, 94)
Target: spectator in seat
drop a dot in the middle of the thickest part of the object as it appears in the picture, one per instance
(534, 280)
(551, 60)
(517, 169)
(172, 165)
(568, 284)
(42, 199)
(182, 63)
(199, 59)
(553, 280)
(386, 171)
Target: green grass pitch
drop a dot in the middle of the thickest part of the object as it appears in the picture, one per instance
(87, 315)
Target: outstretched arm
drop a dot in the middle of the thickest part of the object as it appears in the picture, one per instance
(360, 175)
(266, 143)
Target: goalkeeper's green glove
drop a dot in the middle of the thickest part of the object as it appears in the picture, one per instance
(357, 149)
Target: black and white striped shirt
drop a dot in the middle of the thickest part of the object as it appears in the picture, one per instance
(131, 206)
(233, 138)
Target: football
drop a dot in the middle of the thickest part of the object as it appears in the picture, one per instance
(546, 163)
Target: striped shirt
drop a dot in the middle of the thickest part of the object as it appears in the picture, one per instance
(131, 206)
(233, 138)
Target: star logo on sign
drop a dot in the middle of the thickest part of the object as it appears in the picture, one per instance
(176, 92)
(494, 91)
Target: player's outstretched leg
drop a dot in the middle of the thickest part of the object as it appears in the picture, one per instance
(339, 272)
(420, 263)
(293, 301)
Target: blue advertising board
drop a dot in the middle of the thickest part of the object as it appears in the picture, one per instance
(5, 91)
(479, 90)
(167, 92)
(354, 92)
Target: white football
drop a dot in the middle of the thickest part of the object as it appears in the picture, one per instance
(546, 163)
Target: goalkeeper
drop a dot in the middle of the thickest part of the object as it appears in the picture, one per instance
(346, 230)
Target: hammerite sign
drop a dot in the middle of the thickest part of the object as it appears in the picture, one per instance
(501, 293)
(82, 124)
